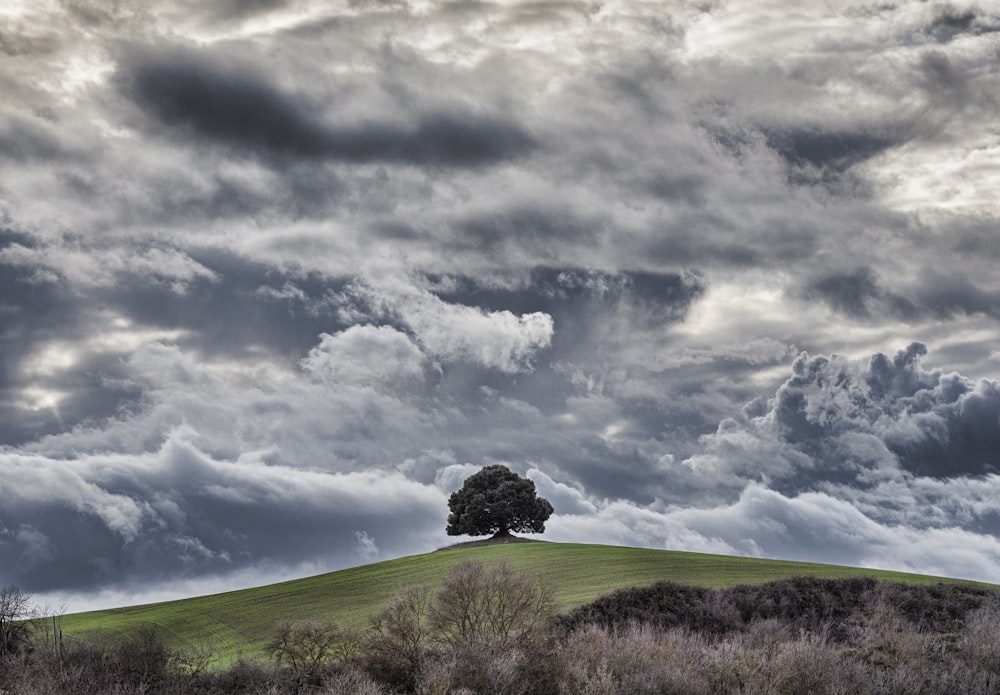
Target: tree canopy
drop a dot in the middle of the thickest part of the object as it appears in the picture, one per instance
(496, 500)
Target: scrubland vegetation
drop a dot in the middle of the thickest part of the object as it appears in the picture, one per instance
(495, 629)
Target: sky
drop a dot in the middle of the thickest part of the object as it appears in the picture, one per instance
(276, 276)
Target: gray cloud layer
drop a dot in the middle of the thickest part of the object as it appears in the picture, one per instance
(243, 112)
(276, 276)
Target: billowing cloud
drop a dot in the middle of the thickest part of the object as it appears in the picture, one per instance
(812, 526)
(124, 520)
(365, 355)
(496, 339)
(869, 463)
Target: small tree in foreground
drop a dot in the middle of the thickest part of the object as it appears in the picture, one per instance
(496, 500)
(306, 648)
(444, 642)
(15, 608)
(400, 637)
(500, 605)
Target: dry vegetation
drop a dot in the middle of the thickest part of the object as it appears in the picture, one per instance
(494, 630)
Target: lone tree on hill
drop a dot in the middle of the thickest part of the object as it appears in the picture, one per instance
(496, 500)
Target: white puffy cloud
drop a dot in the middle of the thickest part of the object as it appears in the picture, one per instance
(365, 356)
(565, 499)
(450, 478)
(497, 340)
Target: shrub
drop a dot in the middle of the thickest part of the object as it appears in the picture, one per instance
(307, 648)
(663, 605)
(351, 681)
(634, 659)
(805, 604)
(979, 645)
(400, 636)
(485, 626)
(499, 606)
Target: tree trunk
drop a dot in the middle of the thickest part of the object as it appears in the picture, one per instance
(502, 533)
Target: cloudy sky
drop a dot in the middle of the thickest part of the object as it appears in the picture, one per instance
(277, 275)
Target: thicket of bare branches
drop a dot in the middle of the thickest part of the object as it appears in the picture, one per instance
(15, 609)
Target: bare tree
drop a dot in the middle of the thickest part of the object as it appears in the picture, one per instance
(481, 618)
(498, 605)
(400, 636)
(307, 647)
(15, 608)
(196, 658)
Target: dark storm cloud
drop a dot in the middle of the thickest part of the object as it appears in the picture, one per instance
(684, 247)
(861, 294)
(951, 22)
(533, 229)
(243, 308)
(945, 82)
(574, 294)
(242, 8)
(9, 237)
(948, 294)
(300, 190)
(238, 108)
(832, 150)
(862, 422)
(35, 309)
(124, 522)
(590, 309)
(52, 340)
(677, 187)
(877, 453)
(31, 139)
(850, 293)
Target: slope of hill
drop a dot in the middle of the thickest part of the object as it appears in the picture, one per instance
(237, 623)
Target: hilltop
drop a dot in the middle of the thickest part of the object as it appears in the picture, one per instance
(238, 623)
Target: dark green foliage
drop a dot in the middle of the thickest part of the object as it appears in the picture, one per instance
(802, 603)
(497, 501)
(938, 607)
(663, 605)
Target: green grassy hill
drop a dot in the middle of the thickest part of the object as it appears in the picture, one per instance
(237, 623)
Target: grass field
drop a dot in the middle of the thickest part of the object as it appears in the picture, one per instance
(236, 624)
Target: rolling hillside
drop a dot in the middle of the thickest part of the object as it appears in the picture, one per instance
(237, 623)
